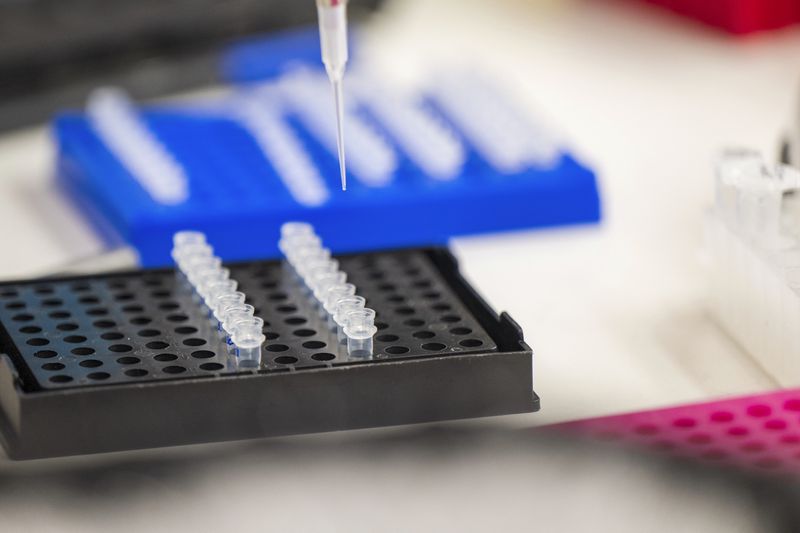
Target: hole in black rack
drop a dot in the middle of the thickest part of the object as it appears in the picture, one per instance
(185, 330)
(414, 322)
(441, 307)
(396, 350)
(387, 287)
(194, 341)
(44, 289)
(91, 363)
(405, 310)
(38, 341)
(22, 317)
(149, 333)
(89, 300)
(98, 375)
(120, 348)
(387, 338)
(112, 336)
(211, 366)
(277, 347)
(424, 334)
(80, 287)
(53, 366)
(30, 329)
(67, 326)
(422, 284)
(125, 297)
(9, 293)
(314, 345)
(460, 331)
(278, 296)
(45, 354)
(136, 372)
(174, 369)
(432, 295)
(75, 339)
(295, 321)
(59, 314)
(52, 302)
(169, 306)
(271, 335)
(471, 343)
(396, 299)
(177, 318)
(203, 354)
(97, 311)
(381, 325)
(451, 318)
(104, 324)
(323, 356)
(15, 305)
(164, 357)
(152, 282)
(286, 360)
(161, 294)
(141, 320)
(304, 332)
(128, 360)
(117, 284)
(286, 309)
(61, 378)
(433, 346)
(156, 345)
(83, 350)
(133, 308)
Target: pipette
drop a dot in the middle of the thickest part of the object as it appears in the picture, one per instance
(333, 38)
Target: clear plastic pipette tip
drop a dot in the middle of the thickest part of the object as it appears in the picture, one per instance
(339, 101)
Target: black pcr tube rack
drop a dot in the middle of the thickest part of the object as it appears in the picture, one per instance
(129, 361)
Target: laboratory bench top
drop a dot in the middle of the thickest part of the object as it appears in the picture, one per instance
(616, 313)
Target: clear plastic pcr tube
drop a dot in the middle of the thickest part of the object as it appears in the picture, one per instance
(184, 238)
(344, 306)
(336, 293)
(292, 229)
(320, 283)
(359, 329)
(247, 340)
(224, 302)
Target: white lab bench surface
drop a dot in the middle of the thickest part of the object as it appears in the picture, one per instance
(616, 313)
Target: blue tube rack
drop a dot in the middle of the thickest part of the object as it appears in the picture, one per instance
(237, 197)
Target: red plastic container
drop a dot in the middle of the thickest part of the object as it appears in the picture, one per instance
(738, 17)
(760, 432)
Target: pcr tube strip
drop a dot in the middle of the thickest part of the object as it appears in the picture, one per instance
(202, 272)
(328, 288)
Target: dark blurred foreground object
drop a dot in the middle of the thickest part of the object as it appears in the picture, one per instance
(739, 17)
(52, 52)
(436, 479)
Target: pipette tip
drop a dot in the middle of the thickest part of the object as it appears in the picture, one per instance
(337, 94)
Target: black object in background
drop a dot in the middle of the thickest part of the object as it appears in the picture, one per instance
(52, 52)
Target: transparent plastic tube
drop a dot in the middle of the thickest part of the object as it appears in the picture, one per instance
(224, 302)
(359, 329)
(247, 340)
(344, 306)
(182, 239)
(336, 293)
(322, 282)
